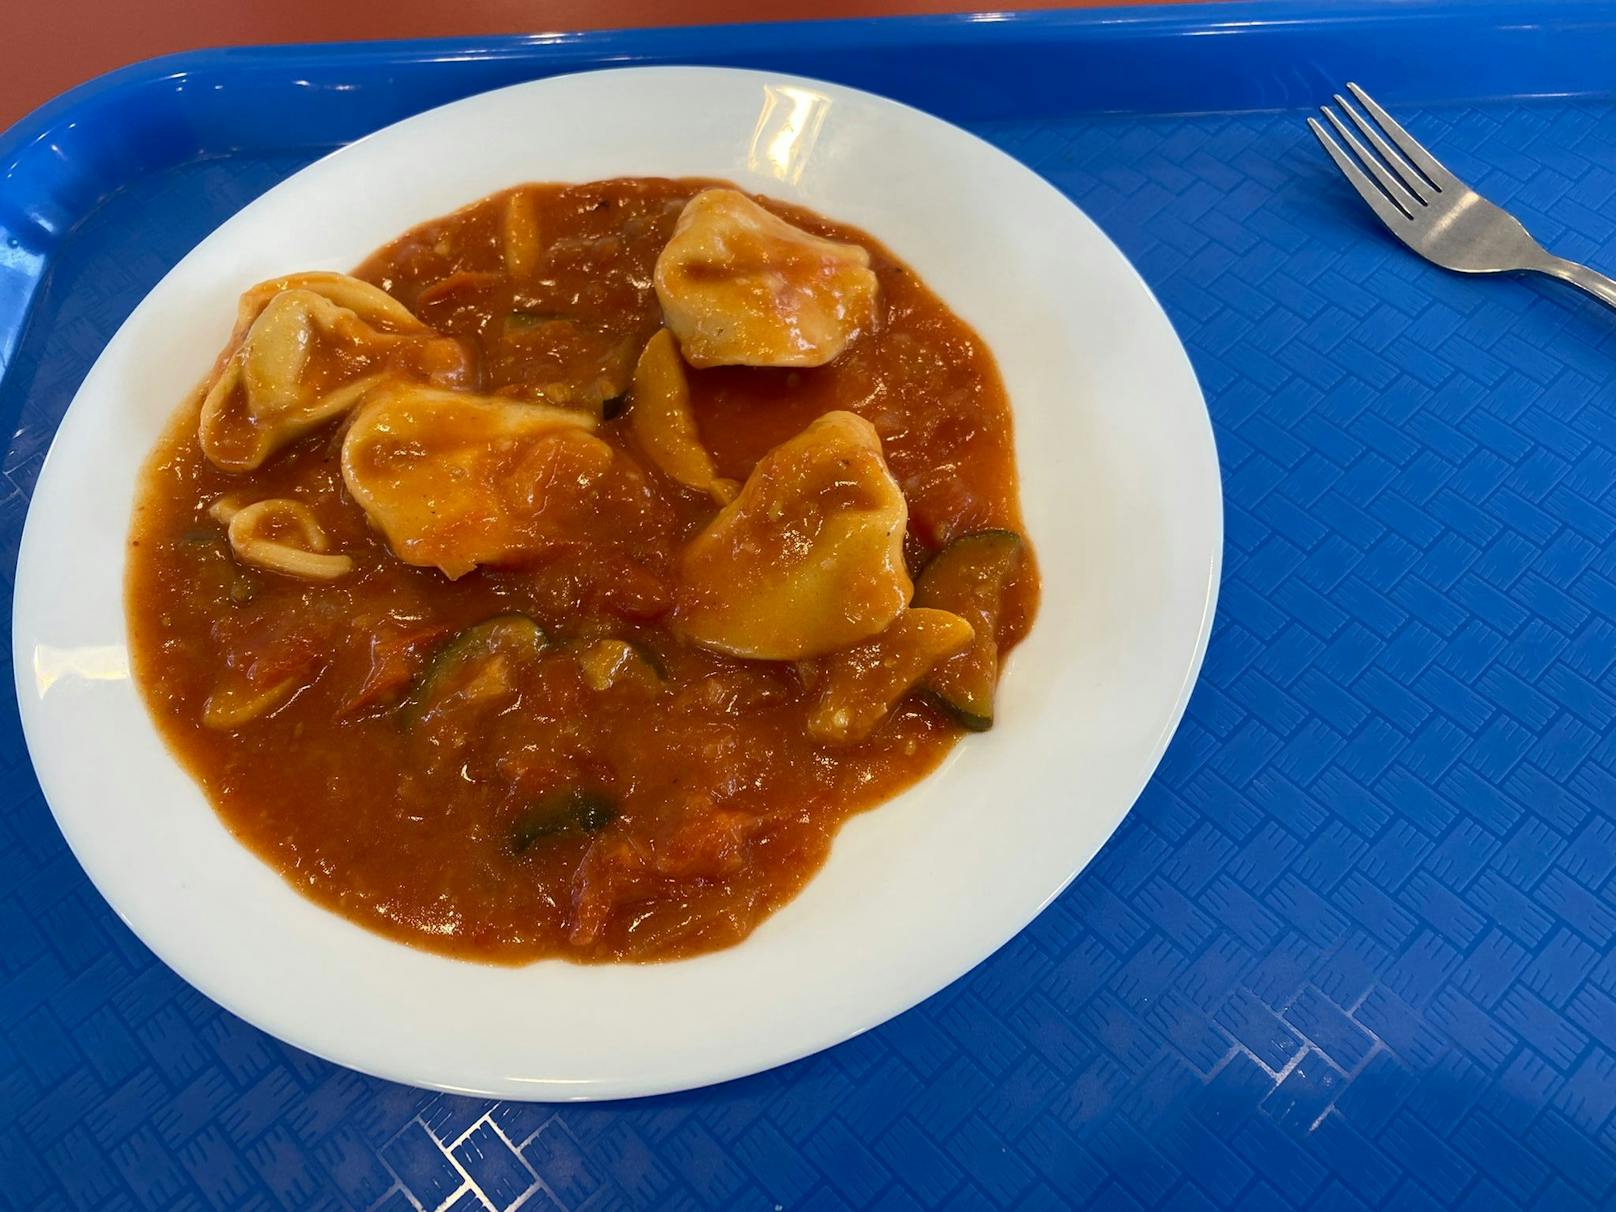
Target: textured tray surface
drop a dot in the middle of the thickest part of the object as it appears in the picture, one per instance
(1353, 948)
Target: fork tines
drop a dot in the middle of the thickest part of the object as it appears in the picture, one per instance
(1402, 177)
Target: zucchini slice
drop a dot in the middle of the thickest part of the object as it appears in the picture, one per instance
(967, 578)
(609, 662)
(457, 662)
(862, 684)
(570, 811)
(665, 426)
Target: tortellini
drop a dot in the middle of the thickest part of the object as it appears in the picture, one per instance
(808, 558)
(741, 287)
(306, 349)
(281, 535)
(454, 480)
(370, 303)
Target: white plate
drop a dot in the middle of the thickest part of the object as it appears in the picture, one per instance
(1121, 495)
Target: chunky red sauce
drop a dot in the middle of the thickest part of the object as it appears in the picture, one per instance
(680, 796)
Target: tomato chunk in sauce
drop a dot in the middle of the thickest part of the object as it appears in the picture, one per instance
(501, 627)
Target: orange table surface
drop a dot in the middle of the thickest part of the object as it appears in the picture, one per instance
(52, 45)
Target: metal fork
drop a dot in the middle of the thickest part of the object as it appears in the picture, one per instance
(1432, 211)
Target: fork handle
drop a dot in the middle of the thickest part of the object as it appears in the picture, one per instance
(1580, 276)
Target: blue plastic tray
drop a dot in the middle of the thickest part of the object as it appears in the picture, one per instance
(1352, 949)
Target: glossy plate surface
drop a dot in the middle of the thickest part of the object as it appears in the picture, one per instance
(1120, 492)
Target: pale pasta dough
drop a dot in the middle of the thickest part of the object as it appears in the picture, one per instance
(808, 558)
(742, 287)
(454, 480)
(272, 389)
(282, 535)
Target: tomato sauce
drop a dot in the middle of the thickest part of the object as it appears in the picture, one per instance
(692, 801)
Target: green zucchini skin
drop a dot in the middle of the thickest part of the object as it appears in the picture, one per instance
(967, 578)
(567, 812)
(477, 640)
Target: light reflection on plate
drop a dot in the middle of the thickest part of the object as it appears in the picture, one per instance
(787, 129)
